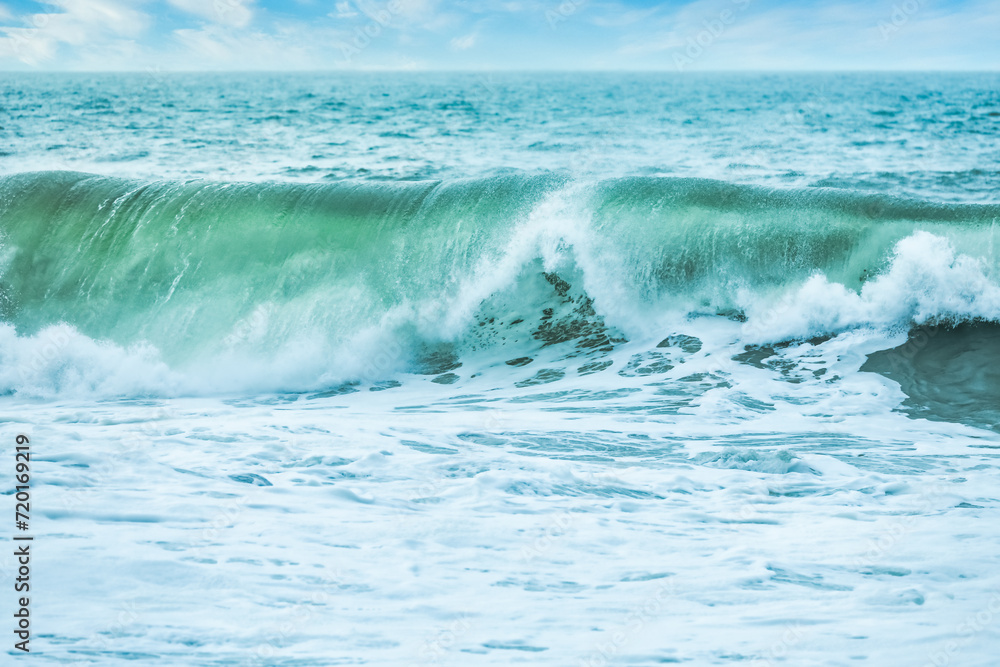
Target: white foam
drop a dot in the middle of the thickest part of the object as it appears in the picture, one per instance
(927, 282)
(60, 361)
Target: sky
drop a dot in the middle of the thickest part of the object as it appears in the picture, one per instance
(479, 35)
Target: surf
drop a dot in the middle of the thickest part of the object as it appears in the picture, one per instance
(252, 287)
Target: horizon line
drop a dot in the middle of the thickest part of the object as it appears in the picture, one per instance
(158, 71)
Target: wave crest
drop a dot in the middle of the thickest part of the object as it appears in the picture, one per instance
(256, 287)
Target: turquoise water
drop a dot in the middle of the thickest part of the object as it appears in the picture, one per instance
(927, 135)
(452, 369)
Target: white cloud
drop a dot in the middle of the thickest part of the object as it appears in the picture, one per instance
(508, 6)
(86, 25)
(465, 42)
(291, 45)
(603, 34)
(344, 11)
(620, 17)
(235, 13)
(420, 12)
(842, 35)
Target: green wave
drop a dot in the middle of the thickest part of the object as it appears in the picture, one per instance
(199, 267)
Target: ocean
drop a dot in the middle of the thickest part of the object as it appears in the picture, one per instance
(461, 369)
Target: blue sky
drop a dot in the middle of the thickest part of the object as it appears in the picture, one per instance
(165, 35)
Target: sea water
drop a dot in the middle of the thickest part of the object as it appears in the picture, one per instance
(433, 369)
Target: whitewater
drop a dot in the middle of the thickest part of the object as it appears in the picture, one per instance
(456, 369)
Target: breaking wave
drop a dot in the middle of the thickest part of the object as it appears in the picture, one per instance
(117, 287)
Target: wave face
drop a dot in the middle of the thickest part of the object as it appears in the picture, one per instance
(132, 287)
